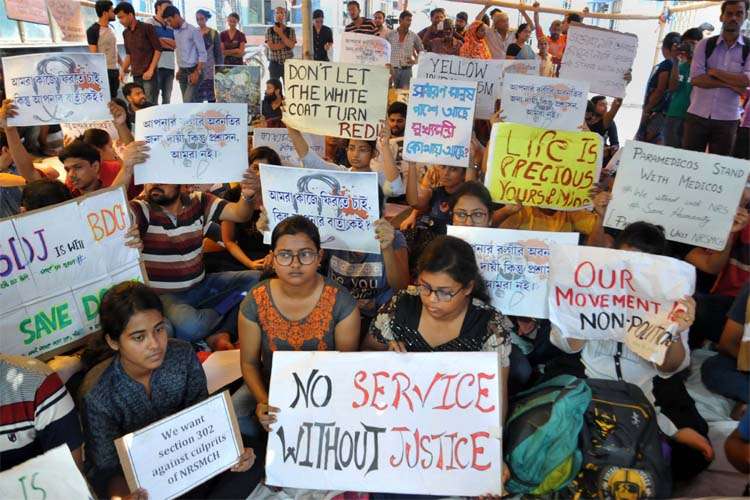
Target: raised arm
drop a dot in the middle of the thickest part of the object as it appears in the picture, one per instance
(21, 158)
(482, 13)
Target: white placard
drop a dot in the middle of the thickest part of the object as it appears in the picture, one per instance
(344, 205)
(358, 48)
(694, 196)
(51, 476)
(201, 143)
(174, 455)
(69, 18)
(74, 130)
(515, 265)
(57, 87)
(552, 103)
(439, 122)
(278, 140)
(55, 274)
(423, 423)
(599, 293)
(599, 56)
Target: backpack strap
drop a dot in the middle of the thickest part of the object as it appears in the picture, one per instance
(618, 355)
(711, 46)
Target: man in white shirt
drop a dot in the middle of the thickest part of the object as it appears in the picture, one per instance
(499, 36)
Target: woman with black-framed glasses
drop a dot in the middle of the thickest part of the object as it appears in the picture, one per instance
(297, 310)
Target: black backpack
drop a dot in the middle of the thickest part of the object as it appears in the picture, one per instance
(711, 45)
(622, 456)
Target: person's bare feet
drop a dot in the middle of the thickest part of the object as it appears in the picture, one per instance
(219, 341)
(693, 439)
(738, 411)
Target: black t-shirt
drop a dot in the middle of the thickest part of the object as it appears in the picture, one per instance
(653, 82)
(513, 50)
(92, 34)
(319, 43)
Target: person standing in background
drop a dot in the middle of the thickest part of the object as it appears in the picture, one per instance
(213, 56)
(405, 45)
(322, 37)
(680, 88)
(165, 70)
(142, 50)
(378, 19)
(101, 40)
(462, 18)
(556, 40)
(447, 44)
(280, 39)
(656, 100)
(233, 42)
(191, 53)
(546, 66)
(359, 24)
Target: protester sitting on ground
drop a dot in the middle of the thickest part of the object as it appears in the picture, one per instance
(109, 163)
(475, 42)
(431, 207)
(520, 49)
(271, 105)
(297, 309)
(148, 377)
(396, 115)
(135, 99)
(609, 135)
(737, 448)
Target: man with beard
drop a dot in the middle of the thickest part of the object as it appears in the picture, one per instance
(396, 124)
(101, 39)
(719, 73)
(359, 24)
(461, 19)
(135, 99)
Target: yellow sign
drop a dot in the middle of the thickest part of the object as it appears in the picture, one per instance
(543, 168)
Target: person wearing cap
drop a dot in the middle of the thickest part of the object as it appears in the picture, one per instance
(322, 37)
(190, 50)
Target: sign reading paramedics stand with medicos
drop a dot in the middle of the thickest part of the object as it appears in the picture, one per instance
(542, 168)
(694, 196)
(439, 122)
(605, 294)
(49, 476)
(335, 99)
(59, 87)
(552, 103)
(180, 452)
(201, 143)
(421, 423)
(343, 205)
(52, 276)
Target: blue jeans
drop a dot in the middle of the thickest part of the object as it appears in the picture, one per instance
(165, 81)
(720, 375)
(189, 90)
(276, 69)
(672, 131)
(150, 87)
(192, 312)
(401, 77)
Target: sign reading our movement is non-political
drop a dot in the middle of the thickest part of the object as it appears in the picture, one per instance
(515, 265)
(52, 276)
(605, 294)
(543, 168)
(344, 205)
(192, 143)
(600, 56)
(59, 87)
(50, 476)
(694, 196)
(488, 74)
(357, 48)
(180, 452)
(439, 122)
(420, 423)
(552, 103)
(338, 100)
(278, 140)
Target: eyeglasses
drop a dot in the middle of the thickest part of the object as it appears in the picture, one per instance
(286, 258)
(441, 294)
(476, 215)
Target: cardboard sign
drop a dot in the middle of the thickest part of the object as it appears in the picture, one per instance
(599, 56)
(33, 11)
(542, 168)
(694, 196)
(339, 100)
(52, 276)
(240, 84)
(278, 140)
(600, 293)
(344, 205)
(200, 143)
(424, 423)
(57, 87)
(439, 122)
(51, 476)
(515, 265)
(174, 455)
(74, 130)
(67, 14)
(357, 48)
(553, 103)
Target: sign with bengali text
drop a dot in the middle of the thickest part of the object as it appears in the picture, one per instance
(74, 130)
(278, 140)
(358, 48)
(539, 101)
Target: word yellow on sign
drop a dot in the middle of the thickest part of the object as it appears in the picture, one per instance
(543, 168)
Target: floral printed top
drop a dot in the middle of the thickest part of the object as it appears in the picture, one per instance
(484, 328)
(313, 333)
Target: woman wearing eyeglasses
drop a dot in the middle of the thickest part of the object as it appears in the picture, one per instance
(297, 310)
(471, 205)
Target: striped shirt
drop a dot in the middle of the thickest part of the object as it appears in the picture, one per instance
(36, 412)
(173, 244)
(366, 28)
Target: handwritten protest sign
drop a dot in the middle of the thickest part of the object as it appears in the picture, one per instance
(51, 476)
(412, 423)
(515, 265)
(57, 88)
(694, 196)
(542, 168)
(174, 455)
(74, 130)
(67, 14)
(600, 56)
(357, 48)
(33, 11)
(553, 103)
(488, 74)
(600, 294)
(344, 205)
(439, 122)
(192, 143)
(239, 84)
(278, 140)
(339, 100)
(52, 276)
